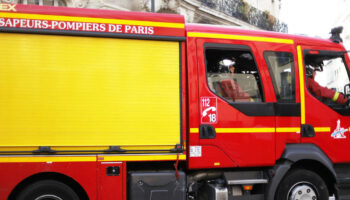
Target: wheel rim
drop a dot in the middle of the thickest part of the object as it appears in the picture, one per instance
(48, 197)
(302, 191)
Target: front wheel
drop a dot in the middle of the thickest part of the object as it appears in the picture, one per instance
(47, 190)
(301, 184)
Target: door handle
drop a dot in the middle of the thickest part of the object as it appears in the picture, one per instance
(307, 130)
(207, 132)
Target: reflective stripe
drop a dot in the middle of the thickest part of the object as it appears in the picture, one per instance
(322, 129)
(238, 130)
(302, 85)
(101, 158)
(92, 20)
(240, 37)
(262, 130)
(150, 157)
(287, 129)
(244, 130)
(14, 159)
(336, 95)
(194, 130)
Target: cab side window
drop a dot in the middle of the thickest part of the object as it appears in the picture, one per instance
(281, 68)
(233, 75)
(327, 78)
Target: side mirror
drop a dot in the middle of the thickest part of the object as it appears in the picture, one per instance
(347, 90)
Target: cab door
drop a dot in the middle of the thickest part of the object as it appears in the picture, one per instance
(326, 120)
(237, 123)
(280, 60)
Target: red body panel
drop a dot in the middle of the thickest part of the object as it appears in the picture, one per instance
(336, 149)
(85, 173)
(184, 96)
(193, 103)
(320, 115)
(245, 149)
(111, 187)
(212, 157)
(59, 18)
(282, 138)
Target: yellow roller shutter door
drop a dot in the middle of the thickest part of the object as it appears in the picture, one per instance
(84, 91)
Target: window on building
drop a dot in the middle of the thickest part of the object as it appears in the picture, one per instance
(281, 68)
(233, 74)
(43, 2)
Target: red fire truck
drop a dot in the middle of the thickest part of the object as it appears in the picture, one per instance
(100, 104)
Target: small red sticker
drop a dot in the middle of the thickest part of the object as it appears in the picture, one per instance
(209, 111)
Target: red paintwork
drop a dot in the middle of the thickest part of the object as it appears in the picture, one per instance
(228, 149)
(111, 187)
(298, 39)
(245, 149)
(105, 14)
(212, 157)
(184, 94)
(281, 139)
(85, 173)
(251, 149)
(320, 115)
(55, 25)
(90, 175)
(286, 137)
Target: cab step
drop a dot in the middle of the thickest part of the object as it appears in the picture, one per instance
(246, 178)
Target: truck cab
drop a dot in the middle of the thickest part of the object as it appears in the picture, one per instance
(266, 112)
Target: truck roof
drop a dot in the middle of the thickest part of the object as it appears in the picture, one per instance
(298, 39)
(110, 23)
(132, 24)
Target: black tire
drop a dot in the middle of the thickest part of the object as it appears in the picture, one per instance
(47, 190)
(301, 182)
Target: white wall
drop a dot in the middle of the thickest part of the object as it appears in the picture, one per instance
(343, 19)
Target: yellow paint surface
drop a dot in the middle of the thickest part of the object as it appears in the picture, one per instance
(101, 158)
(287, 129)
(81, 91)
(322, 129)
(194, 130)
(149, 157)
(302, 85)
(11, 159)
(245, 130)
(238, 130)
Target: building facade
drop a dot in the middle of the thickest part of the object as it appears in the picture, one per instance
(251, 14)
(343, 19)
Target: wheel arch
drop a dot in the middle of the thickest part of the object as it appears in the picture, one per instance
(319, 169)
(49, 176)
(303, 156)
